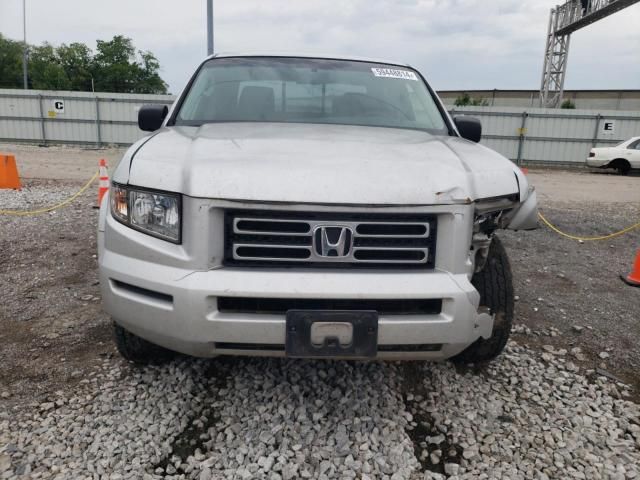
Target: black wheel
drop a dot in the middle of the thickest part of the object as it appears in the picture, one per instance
(495, 285)
(621, 165)
(139, 350)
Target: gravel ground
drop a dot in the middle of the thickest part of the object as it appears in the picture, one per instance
(576, 289)
(33, 196)
(521, 417)
(560, 403)
(60, 162)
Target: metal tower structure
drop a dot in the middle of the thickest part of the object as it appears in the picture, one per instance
(563, 21)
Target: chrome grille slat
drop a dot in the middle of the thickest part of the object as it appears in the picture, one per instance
(237, 220)
(424, 235)
(396, 249)
(275, 259)
(393, 262)
(272, 238)
(270, 245)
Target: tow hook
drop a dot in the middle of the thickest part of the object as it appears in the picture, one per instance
(484, 322)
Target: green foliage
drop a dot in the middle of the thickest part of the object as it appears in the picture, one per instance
(10, 63)
(77, 61)
(148, 79)
(465, 100)
(121, 70)
(115, 67)
(45, 71)
(568, 105)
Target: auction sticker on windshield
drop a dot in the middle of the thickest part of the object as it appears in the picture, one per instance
(393, 73)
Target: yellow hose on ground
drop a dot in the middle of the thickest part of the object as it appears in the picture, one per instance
(587, 239)
(22, 213)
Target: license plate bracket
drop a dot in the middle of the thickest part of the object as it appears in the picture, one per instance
(304, 329)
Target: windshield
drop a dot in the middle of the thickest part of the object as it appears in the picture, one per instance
(300, 90)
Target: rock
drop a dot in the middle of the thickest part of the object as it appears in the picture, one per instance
(437, 439)
(324, 466)
(451, 468)
(610, 375)
(572, 367)
(5, 462)
(469, 453)
(428, 475)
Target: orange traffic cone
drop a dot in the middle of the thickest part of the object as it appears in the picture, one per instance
(525, 170)
(633, 278)
(104, 180)
(9, 172)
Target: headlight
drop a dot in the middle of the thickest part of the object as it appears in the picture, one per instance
(154, 213)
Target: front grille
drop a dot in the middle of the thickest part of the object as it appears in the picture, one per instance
(303, 239)
(282, 305)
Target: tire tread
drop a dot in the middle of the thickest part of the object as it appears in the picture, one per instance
(139, 350)
(495, 285)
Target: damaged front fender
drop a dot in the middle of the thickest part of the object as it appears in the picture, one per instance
(525, 216)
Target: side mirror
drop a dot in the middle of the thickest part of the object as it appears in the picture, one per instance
(469, 127)
(150, 117)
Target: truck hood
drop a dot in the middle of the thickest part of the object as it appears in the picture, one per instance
(327, 164)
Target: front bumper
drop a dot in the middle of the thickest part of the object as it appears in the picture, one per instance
(174, 305)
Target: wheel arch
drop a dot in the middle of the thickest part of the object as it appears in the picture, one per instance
(619, 161)
(622, 165)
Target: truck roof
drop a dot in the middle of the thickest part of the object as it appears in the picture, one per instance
(306, 55)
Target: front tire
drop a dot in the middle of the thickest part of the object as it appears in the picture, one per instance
(495, 285)
(139, 350)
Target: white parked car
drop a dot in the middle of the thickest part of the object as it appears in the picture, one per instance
(310, 207)
(622, 157)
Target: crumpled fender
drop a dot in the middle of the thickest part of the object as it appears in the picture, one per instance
(525, 217)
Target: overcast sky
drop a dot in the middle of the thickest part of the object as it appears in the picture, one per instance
(457, 44)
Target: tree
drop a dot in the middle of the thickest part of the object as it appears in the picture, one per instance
(10, 63)
(116, 67)
(465, 100)
(568, 105)
(149, 80)
(45, 71)
(113, 65)
(77, 61)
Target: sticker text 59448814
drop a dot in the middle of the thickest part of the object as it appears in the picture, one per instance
(394, 73)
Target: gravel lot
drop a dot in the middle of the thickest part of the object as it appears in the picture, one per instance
(60, 162)
(560, 403)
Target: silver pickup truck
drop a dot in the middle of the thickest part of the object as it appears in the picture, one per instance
(310, 207)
